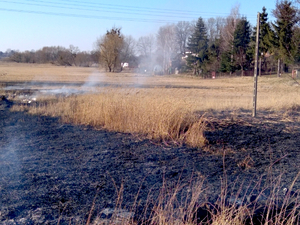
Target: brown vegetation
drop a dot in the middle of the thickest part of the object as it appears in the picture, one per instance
(169, 114)
(171, 109)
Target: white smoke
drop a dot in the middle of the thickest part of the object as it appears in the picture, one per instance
(96, 78)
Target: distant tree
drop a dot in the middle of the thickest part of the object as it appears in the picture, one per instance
(241, 40)
(167, 47)
(65, 57)
(214, 56)
(16, 56)
(128, 50)
(266, 40)
(198, 45)
(286, 18)
(183, 30)
(95, 56)
(73, 50)
(226, 64)
(146, 45)
(228, 28)
(214, 27)
(296, 42)
(6, 54)
(28, 57)
(83, 59)
(110, 47)
(226, 39)
(266, 33)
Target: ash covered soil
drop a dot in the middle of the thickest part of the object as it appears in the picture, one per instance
(52, 172)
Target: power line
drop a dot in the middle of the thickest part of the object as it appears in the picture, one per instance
(103, 10)
(125, 7)
(85, 16)
(107, 8)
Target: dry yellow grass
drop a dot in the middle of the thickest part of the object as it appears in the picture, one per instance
(219, 94)
(155, 118)
(179, 204)
(167, 109)
(164, 113)
(19, 72)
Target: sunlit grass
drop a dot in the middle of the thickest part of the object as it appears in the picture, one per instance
(172, 109)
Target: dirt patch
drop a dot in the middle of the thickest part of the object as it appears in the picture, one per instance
(50, 172)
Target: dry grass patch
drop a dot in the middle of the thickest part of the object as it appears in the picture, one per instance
(169, 114)
(167, 109)
(160, 119)
(185, 204)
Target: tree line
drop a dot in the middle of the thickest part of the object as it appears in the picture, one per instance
(221, 45)
(56, 55)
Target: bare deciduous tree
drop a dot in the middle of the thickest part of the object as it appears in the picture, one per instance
(83, 59)
(146, 45)
(214, 27)
(229, 27)
(128, 50)
(183, 30)
(110, 46)
(167, 46)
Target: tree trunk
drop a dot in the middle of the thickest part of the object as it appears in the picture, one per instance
(231, 61)
(278, 69)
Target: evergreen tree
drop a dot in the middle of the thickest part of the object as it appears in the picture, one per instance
(266, 36)
(213, 56)
(296, 41)
(266, 39)
(197, 45)
(286, 17)
(226, 62)
(241, 40)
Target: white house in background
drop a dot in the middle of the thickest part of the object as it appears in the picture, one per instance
(186, 55)
(125, 64)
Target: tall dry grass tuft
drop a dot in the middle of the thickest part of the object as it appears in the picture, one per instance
(177, 205)
(194, 136)
(270, 206)
(156, 118)
(230, 215)
(185, 204)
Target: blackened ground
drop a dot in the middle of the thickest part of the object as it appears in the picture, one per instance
(50, 172)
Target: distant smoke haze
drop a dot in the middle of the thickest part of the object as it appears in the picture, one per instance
(93, 80)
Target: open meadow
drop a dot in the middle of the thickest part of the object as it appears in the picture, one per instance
(82, 146)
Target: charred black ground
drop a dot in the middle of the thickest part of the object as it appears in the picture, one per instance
(50, 171)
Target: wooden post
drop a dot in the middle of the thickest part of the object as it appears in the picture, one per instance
(256, 66)
(259, 74)
(279, 68)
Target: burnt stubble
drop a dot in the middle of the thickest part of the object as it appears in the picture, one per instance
(53, 173)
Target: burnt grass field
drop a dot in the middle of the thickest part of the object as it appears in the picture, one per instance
(53, 173)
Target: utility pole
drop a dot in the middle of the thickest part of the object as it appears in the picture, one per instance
(256, 66)
(260, 59)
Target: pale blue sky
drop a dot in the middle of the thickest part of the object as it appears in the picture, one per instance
(33, 24)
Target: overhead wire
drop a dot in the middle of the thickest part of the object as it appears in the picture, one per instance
(125, 7)
(107, 8)
(102, 10)
(84, 16)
